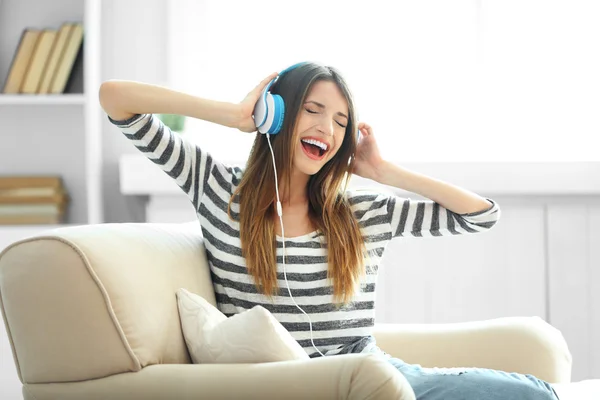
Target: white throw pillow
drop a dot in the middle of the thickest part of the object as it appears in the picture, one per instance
(252, 336)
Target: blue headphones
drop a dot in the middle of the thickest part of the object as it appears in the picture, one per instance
(269, 110)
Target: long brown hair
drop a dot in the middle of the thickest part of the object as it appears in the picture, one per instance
(329, 209)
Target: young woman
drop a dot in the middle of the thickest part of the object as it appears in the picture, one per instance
(334, 237)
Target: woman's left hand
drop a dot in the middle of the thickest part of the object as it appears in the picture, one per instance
(367, 158)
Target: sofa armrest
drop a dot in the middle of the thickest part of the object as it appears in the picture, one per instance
(526, 345)
(91, 301)
(352, 377)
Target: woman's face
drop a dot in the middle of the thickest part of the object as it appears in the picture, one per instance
(323, 118)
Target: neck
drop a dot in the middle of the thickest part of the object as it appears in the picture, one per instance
(296, 194)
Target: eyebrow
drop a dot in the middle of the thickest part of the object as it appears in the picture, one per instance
(341, 114)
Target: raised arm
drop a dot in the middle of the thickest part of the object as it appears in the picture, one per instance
(426, 218)
(124, 99)
(131, 106)
(400, 216)
(448, 210)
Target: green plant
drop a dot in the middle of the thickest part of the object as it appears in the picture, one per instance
(175, 122)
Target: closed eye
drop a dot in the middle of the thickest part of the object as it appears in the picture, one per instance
(315, 112)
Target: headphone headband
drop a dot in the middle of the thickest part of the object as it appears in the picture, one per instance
(280, 74)
(269, 110)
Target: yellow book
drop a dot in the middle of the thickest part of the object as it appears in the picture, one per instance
(57, 51)
(65, 64)
(21, 60)
(8, 210)
(33, 77)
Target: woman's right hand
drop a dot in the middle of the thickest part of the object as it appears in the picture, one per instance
(246, 122)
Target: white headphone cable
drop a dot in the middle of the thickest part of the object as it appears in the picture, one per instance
(280, 212)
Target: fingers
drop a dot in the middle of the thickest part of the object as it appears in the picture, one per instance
(365, 129)
(265, 82)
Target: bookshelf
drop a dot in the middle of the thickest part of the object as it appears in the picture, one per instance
(54, 134)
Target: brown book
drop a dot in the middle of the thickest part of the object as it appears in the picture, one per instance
(30, 192)
(55, 55)
(21, 60)
(67, 59)
(20, 196)
(30, 219)
(40, 57)
(30, 182)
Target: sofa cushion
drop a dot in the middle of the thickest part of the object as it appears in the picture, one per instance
(252, 336)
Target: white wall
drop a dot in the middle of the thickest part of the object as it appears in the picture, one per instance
(134, 46)
(456, 81)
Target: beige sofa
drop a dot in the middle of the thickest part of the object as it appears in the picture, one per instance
(91, 313)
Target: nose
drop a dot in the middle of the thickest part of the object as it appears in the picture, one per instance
(326, 126)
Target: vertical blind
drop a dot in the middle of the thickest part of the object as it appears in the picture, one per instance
(461, 80)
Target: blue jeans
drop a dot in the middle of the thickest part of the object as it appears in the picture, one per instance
(460, 383)
(472, 383)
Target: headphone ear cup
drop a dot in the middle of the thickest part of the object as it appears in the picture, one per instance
(260, 110)
(278, 113)
(269, 109)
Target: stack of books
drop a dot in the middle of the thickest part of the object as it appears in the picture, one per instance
(26, 200)
(47, 61)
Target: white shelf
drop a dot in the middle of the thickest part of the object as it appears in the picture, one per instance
(55, 134)
(41, 99)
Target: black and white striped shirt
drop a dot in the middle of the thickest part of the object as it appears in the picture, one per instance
(381, 217)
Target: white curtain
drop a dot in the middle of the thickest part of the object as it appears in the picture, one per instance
(461, 80)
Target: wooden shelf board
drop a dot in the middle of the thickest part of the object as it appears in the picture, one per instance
(40, 99)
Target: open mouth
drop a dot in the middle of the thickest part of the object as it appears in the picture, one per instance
(313, 151)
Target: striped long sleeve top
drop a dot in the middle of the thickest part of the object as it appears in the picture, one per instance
(382, 217)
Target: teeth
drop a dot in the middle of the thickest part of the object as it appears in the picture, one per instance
(316, 142)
